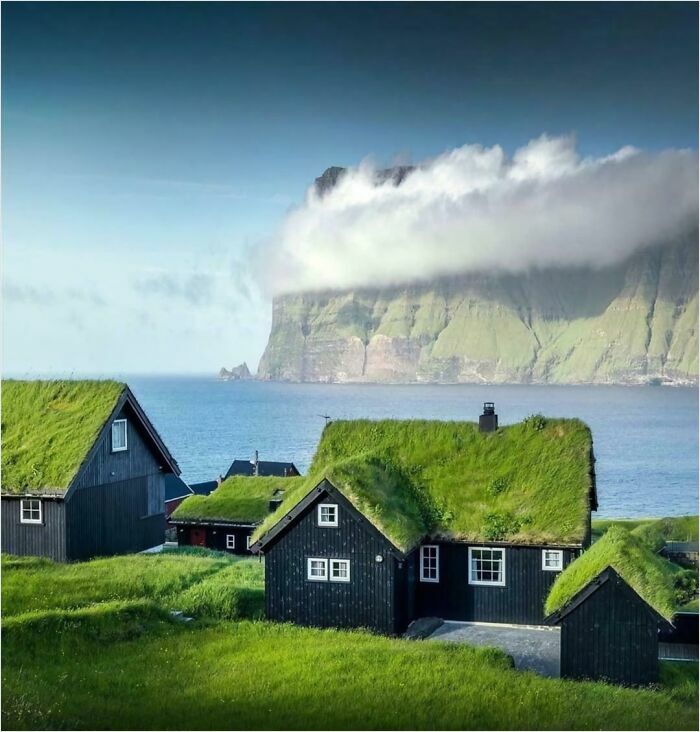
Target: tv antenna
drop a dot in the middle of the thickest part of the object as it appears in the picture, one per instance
(327, 417)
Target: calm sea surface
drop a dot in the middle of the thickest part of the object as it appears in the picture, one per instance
(645, 438)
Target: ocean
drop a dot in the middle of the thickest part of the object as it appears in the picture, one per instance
(645, 438)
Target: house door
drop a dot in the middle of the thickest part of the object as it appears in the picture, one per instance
(198, 537)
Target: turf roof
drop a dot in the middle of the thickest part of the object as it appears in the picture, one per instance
(650, 576)
(48, 427)
(527, 483)
(240, 499)
(677, 528)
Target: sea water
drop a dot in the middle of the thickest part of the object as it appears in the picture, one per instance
(645, 438)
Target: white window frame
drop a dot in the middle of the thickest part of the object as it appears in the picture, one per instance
(423, 577)
(230, 541)
(339, 562)
(328, 524)
(325, 569)
(23, 520)
(559, 553)
(488, 583)
(114, 424)
(248, 541)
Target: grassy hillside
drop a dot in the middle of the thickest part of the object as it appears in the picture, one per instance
(104, 653)
(48, 428)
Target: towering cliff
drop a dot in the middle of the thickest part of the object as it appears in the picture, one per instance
(632, 323)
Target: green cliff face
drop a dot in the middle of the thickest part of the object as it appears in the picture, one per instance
(632, 323)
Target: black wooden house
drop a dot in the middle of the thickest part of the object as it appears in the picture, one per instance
(82, 471)
(411, 519)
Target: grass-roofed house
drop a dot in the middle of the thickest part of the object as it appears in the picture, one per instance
(610, 604)
(401, 519)
(224, 519)
(82, 470)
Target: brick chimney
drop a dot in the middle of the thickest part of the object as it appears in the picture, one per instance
(488, 421)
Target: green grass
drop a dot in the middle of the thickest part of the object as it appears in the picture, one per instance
(652, 577)
(443, 473)
(679, 528)
(101, 651)
(240, 498)
(48, 428)
(255, 675)
(40, 584)
(653, 531)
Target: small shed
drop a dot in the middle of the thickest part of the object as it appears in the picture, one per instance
(610, 604)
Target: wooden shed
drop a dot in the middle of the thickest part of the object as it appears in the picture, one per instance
(609, 632)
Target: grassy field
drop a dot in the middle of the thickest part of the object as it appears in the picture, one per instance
(92, 646)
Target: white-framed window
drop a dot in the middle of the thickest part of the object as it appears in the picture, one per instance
(30, 511)
(327, 514)
(487, 566)
(340, 570)
(230, 541)
(430, 564)
(552, 560)
(317, 569)
(248, 541)
(119, 435)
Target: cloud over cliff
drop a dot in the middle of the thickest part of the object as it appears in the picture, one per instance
(476, 209)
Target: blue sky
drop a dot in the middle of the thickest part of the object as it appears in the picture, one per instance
(148, 148)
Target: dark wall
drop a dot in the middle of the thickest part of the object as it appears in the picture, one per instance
(368, 600)
(118, 501)
(115, 518)
(521, 600)
(215, 537)
(106, 466)
(611, 635)
(47, 539)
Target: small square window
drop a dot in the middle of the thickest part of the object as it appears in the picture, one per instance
(249, 541)
(340, 570)
(328, 514)
(317, 569)
(30, 511)
(230, 541)
(552, 560)
(119, 435)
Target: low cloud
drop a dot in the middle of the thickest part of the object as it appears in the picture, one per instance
(15, 292)
(476, 209)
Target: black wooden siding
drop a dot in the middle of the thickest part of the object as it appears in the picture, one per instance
(47, 539)
(368, 600)
(520, 601)
(611, 635)
(117, 505)
(216, 537)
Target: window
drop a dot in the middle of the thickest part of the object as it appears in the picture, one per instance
(328, 514)
(317, 569)
(118, 435)
(552, 560)
(30, 511)
(340, 570)
(230, 541)
(487, 566)
(248, 541)
(429, 564)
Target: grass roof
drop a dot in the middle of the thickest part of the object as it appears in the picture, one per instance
(240, 499)
(529, 482)
(48, 427)
(652, 577)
